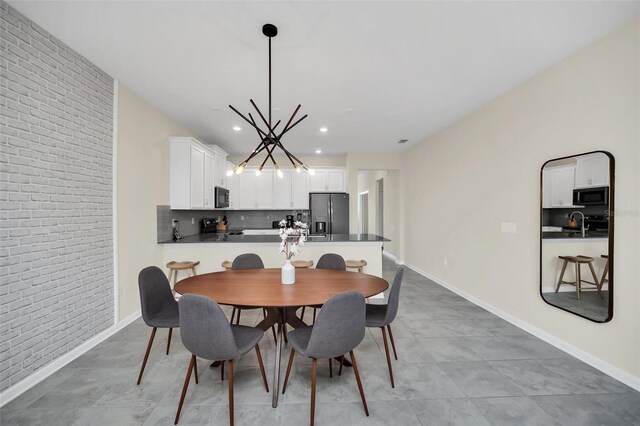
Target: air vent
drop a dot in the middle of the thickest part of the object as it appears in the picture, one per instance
(403, 141)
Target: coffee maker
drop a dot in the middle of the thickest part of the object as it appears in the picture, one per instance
(289, 218)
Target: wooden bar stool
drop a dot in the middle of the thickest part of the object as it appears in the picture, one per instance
(174, 267)
(226, 265)
(605, 271)
(302, 263)
(578, 261)
(356, 264)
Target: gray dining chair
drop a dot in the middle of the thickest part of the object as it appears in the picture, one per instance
(381, 316)
(159, 307)
(327, 261)
(339, 328)
(207, 334)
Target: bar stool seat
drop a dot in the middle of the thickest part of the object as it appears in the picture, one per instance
(302, 263)
(578, 261)
(174, 267)
(356, 264)
(226, 265)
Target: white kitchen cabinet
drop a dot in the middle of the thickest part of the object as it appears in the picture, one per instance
(209, 169)
(592, 170)
(193, 170)
(232, 186)
(299, 190)
(255, 192)
(282, 198)
(220, 176)
(197, 178)
(558, 184)
(327, 180)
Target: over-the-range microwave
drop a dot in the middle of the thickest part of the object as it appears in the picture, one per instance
(598, 196)
(222, 198)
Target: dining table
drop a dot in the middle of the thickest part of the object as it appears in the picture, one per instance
(253, 288)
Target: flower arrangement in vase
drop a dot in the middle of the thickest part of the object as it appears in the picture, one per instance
(292, 240)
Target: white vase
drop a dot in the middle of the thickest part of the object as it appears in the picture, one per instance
(288, 273)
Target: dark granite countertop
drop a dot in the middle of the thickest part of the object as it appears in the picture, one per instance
(575, 235)
(228, 238)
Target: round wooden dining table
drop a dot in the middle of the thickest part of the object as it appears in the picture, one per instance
(262, 288)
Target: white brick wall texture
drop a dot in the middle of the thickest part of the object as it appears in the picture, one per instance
(56, 247)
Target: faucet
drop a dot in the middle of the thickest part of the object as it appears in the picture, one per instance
(581, 221)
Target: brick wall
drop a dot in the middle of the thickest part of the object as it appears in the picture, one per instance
(56, 248)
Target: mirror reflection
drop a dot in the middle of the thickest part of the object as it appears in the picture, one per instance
(576, 246)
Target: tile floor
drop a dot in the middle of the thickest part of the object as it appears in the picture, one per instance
(458, 365)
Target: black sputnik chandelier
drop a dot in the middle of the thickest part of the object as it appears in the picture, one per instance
(270, 139)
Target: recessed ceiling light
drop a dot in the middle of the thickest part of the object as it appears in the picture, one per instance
(403, 141)
(349, 110)
(318, 151)
(323, 129)
(237, 128)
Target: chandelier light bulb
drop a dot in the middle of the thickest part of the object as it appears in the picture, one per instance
(298, 168)
(240, 168)
(311, 172)
(259, 171)
(279, 172)
(230, 172)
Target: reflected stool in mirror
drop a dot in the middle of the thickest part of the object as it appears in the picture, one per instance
(605, 271)
(578, 261)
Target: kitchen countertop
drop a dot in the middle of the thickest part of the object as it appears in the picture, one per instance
(228, 238)
(571, 235)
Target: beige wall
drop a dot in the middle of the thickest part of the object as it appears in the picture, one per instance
(484, 170)
(142, 183)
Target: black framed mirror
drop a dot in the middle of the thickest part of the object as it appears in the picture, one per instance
(576, 234)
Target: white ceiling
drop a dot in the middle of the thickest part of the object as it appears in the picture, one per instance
(373, 73)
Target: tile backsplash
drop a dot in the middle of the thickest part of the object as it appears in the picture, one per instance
(238, 219)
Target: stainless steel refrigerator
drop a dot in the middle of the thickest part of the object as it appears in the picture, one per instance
(329, 213)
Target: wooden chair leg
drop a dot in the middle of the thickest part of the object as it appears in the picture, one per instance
(386, 350)
(286, 376)
(195, 369)
(302, 313)
(184, 388)
(273, 330)
(314, 368)
(578, 280)
(605, 271)
(355, 370)
(230, 367)
(284, 333)
(330, 368)
(238, 317)
(264, 376)
(233, 314)
(595, 279)
(221, 370)
(175, 280)
(314, 315)
(146, 354)
(393, 344)
(169, 340)
(341, 363)
(564, 267)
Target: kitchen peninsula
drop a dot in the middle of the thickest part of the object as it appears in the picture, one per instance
(214, 248)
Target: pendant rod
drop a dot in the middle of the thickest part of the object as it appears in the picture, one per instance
(269, 82)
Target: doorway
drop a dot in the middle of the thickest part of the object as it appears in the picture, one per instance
(380, 207)
(363, 210)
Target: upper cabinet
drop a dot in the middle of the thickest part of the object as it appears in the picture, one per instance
(592, 170)
(193, 172)
(558, 183)
(220, 175)
(327, 180)
(255, 192)
(232, 186)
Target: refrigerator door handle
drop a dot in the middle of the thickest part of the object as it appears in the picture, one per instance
(330, 224)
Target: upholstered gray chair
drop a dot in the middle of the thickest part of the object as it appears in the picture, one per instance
(207, 334)
(327, 261)
(381, 316)
(331, 261)
(339, 328)
(159, 308)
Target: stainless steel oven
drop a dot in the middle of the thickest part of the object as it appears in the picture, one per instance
(591, 196)
(222, 198)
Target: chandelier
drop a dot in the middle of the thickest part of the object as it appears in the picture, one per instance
(270, 139)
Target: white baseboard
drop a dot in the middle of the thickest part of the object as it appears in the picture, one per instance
(597, 363)
(39, 375)
(392, 257)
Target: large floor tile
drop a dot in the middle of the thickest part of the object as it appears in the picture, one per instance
(585, 410)
(532, 378)
(384, 413)
(478, 379)
(448, 412)
(521, 411)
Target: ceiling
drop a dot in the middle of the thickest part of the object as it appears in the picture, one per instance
(372, 73)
